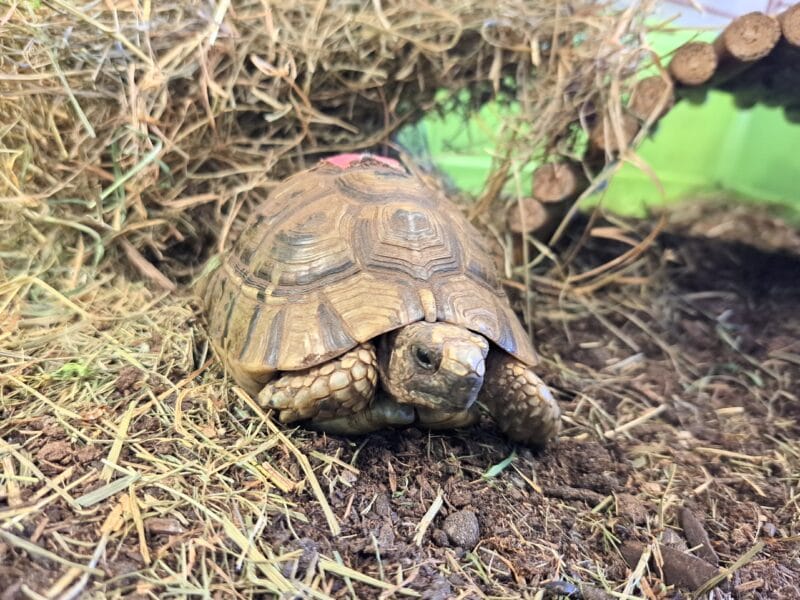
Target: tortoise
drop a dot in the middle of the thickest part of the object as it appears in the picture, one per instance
(356, 298)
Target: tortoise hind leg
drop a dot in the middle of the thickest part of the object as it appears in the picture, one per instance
(336, 396)
(519, 401)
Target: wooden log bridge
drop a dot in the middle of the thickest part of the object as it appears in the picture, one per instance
(756, 58)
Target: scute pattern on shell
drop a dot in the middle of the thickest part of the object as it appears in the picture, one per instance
(337, 257)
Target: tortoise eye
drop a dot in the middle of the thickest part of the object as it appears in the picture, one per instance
(423, 357)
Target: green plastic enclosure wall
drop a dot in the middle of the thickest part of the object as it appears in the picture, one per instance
(695, 149)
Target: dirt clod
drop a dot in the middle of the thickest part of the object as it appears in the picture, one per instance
(697, 536)
(439, 537)
(308, 557)
(673, 539)
(382, 506)
(678, 568)
(57, 452)
(462, 528)
(565, 492)
(632, 507)
(163, 525)
(460, 498)
(86, 454)
(591, 592)
(128, 379)
(439, 589)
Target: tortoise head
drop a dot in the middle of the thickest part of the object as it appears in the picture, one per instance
(435, 365)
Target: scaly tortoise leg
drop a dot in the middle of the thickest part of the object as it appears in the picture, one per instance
(436, 419)
(383, 412)
(337, 396)
(519, 401)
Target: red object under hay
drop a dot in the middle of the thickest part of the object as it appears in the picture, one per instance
(349, 159)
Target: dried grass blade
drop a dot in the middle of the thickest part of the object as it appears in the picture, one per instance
(428, 517)
(331, 566)
(146, 268)
(62, 583)
(72, 99)
(333, 522)
(12, 488)
(334, 461)
(35, 550)
(146, 160)
(96, 24)
(136, 516)
(645, 416)
(725, 573)
(119, 439)
(26, 279)
(268, 569)
(625, 257)
(730, 454)
(219, 17)
(106, 491)
(278, 479)
(638, 572)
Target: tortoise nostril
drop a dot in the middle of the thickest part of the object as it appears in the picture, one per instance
(468, 383)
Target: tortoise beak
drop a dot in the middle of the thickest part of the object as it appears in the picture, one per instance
(466, 389)
(462, 370)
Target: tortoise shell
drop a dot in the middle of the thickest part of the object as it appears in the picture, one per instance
(338, 256)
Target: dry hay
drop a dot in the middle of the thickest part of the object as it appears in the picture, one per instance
(737, 220)
(132, 137)
(149, 125)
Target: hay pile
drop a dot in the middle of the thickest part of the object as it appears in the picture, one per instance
(144, 127)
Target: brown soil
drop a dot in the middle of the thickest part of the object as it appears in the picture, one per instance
(700, 341)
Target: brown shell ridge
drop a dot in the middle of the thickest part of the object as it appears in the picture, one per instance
(408, 240)
(308, 253)
(335, 258)
(281, 207)
(335, 332)
(251, 329)
(373, 185)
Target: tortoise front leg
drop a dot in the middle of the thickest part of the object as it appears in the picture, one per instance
(383, 412)
(436, 419)
(337, 396)
(519, 401)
